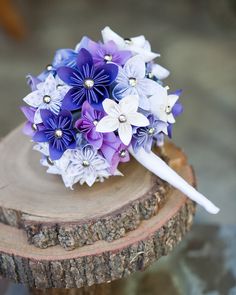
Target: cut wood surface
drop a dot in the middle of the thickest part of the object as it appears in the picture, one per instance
(51, 214)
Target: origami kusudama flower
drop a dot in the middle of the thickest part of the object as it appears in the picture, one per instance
(88, 82)
(30, 127)
(143, 136)
(47, 96)
(132, 80)
(108, 52)
(162, 105)
(137, 45)
(122, 117)
(115, 152)
(87, 125)
(58, 132)
(86, 165)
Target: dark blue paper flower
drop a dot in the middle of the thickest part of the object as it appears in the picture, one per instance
(88, 82)
(143, 136)
(58, 132)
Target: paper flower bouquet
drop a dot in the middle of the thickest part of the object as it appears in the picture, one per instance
(97, 104)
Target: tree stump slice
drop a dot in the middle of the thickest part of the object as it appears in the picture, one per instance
(50, 214)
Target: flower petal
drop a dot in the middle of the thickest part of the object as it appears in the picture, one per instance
(137, 119)
(107, 124)
(129, 104)
(73, 99)
(160, 72)
(34, 98)
(111, 108)
(173, 99)
(55, 154)
(40, 136)
(83, 58)
(125, 133)
(135, 67)
(108, 34)
(66, 74)
(111, 70)
(28, 112)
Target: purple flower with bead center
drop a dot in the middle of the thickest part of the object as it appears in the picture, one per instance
(30, 127)
(58, 132)
(108, 52)
(114, 152)
(87, 125)
(143, 136)
(88, 82)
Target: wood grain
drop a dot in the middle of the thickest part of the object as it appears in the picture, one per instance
(51, 214)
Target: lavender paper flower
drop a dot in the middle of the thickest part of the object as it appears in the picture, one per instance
(86, 165)
(58, 132)
(114, 152)
(132, 80)
(30, 127)
(88, 82)
(46, 96)
(143, 136)
(87, 125)
(108, 52)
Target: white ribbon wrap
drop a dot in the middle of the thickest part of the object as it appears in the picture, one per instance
(157, 166)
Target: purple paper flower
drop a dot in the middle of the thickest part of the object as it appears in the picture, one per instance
(108, 52)
(143, 136)
(58, 132)
(87, 125)
(30, 127)
(114, 151)
(88, 82)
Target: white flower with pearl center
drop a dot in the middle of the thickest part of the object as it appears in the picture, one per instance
(122, 117)
(161, 105)
(137, 45)
(48, 95)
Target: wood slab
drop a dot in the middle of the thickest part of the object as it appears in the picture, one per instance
(51, 214)
(103, 261)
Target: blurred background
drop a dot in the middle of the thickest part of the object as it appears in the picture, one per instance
(197, 42)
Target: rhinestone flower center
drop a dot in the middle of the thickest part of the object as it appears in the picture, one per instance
(122, 119)
(58, 133)
(88, 83)
(49, 67)
(47, 99)
(108, 57)
(132, 81)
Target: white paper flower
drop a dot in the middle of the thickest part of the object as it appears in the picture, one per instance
(49, 95)
(137, 45)
(161, 105)
(121, 117)
(132, 80)
(87, 166)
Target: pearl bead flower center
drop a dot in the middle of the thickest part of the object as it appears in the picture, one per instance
(132, 81)
(168, 110)
(128, 41)
(151, 131)
(122, 119)
(95, 122)
(58, 133)
(49, 67)
(85, 163)
(122, 153)
(88, 83)
(108, 57)
(34, 127)
(47, 99)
